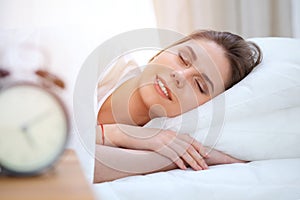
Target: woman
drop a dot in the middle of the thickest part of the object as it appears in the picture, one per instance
(179, 78)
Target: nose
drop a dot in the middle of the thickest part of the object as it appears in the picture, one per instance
(182, 75)
(179, 78)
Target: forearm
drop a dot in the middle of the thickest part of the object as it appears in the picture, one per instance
(132, 137)
(126, 136)
(112, 163)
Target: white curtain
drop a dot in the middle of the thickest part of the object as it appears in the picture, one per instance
(249, 18)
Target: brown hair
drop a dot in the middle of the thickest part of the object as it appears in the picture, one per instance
(242, 55)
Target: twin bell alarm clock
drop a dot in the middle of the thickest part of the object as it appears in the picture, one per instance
(34, 123)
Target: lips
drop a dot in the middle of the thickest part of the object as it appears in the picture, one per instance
(162, 88)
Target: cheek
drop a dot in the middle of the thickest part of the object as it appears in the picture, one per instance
(148, 96)
(166, 60)
(183, 101)
(156, 104)
(187, 101)
(189, 98)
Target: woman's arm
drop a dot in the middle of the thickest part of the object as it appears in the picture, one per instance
(112, 163)
(179, 148)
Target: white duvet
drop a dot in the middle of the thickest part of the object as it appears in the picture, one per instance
(267, 179)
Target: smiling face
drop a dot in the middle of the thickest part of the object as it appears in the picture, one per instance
(183, 77)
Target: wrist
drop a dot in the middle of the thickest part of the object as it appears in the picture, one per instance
(105, 135)
(131, 137)
(115, 137)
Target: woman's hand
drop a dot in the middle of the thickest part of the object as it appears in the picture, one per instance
(180, 148)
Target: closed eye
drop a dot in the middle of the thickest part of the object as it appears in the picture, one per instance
(184, 60)
(199, 86)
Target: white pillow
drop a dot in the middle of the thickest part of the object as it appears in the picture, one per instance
(258, 118)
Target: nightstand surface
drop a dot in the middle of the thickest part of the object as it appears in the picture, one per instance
(65, 181)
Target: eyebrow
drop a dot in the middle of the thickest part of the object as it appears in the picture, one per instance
(194, 56)
(208, 80)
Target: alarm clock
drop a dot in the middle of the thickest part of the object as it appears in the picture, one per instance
(34, 125)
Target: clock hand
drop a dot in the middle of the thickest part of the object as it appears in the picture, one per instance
(42, 116)
(9, 129)
(29, 138)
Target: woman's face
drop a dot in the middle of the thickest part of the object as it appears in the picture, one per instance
(183, 77)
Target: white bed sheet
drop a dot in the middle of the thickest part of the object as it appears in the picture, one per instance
(267, 179)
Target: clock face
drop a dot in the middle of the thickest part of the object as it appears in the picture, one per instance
(33, 128)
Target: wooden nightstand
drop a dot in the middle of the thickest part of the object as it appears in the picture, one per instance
(65, 181)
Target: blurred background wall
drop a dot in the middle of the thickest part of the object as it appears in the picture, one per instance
(249, 18)
(68, 30)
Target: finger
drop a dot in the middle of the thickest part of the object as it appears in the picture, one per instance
(197, 157)
(173, 156)
(179, 162)
(191, 161)
(181, 148)
(200, 148)
(197, 145)
(180, 144)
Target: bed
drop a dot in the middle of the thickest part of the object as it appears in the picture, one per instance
(267, 179)
(261, 124)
